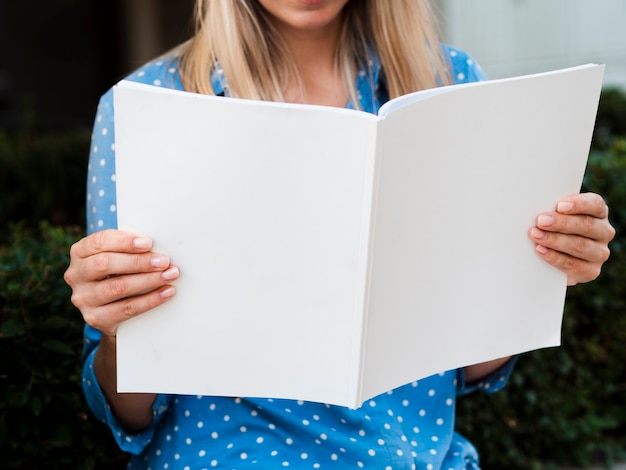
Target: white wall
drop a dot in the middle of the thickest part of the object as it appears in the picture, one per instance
(514, 37)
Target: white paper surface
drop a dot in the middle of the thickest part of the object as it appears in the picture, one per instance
(266, 233)
(503, 154)
(313, 268)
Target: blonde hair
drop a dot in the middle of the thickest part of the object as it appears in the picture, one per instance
(239, 36)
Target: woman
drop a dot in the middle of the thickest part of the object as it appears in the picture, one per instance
(345, 53)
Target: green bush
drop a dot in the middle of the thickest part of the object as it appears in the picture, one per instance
(567, 405)
(44, 420)
(611, 119)
(43, 178)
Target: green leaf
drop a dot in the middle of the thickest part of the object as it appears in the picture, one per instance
(58, 346)
(12, 328)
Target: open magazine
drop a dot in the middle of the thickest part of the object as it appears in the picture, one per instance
(330, 254)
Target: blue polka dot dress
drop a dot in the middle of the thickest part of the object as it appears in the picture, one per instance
(411, 427)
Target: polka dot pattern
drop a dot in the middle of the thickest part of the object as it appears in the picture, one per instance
(407, 428)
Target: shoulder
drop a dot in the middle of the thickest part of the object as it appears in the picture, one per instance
(463, 67)
(161, 72)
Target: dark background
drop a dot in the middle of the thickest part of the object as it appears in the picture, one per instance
(58, 56)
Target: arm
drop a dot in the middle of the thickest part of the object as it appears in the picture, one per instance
(476, 372)
(114, 276)
(133, 410)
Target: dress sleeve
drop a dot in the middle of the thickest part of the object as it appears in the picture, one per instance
(491, 383)
(102, 215)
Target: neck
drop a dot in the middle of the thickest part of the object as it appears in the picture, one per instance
(314, 54)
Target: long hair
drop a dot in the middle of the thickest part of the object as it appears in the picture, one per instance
(239, 36)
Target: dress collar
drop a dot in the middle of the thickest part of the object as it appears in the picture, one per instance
(371, 86)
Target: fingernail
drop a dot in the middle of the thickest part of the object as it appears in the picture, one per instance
(142, 243)
(167, 293)
(170, 274)
(545, 220)
(536, 233)
(541, 249)
(565, 206)
(159, 262)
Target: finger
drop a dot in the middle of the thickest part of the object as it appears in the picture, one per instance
(584, 204)
(107, 317)
(103, 265)
(110, 240)
(576, 246)
(576, 269)
(121, 287)
(99, 293)
(583, 225)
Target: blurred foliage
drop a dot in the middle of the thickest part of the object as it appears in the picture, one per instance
(567, 405)
(611, 120)
(563, 405)
(44, 419)
(43, 178)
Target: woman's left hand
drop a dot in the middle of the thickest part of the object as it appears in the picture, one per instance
(575, 237)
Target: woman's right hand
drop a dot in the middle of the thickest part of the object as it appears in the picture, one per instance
(115, 276)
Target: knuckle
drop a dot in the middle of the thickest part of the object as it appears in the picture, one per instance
(153, 300)
(588, 273)
(92, 318)
(138, 263)
(561, 223)
(595, 272)
(82, 301)
(102, 262)
(553, 257)
(588, 222)
(129, 309)
(118, 287)
(102, 318)
(605, 255)
(610, 232)
(548, 239)
(599, 205)
(138, 305)
(77, 300)
(74, 249)
(580, 246)
(68, 276)
(99, 324)
(97, 240)
(585, 272)
(569, 264)
(555, 241)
